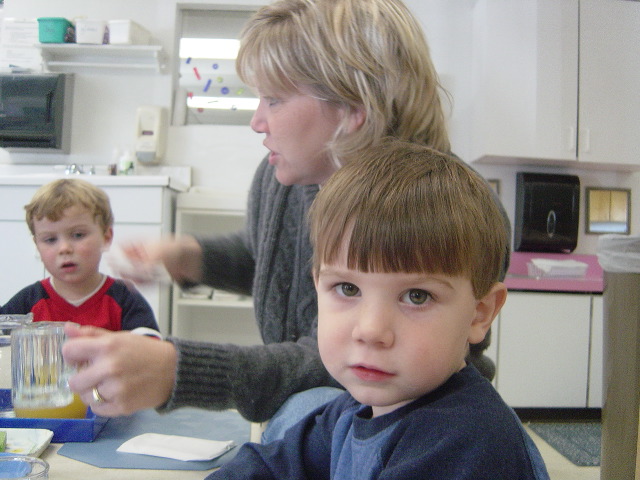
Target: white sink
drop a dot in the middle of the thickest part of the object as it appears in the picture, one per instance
(176, 178)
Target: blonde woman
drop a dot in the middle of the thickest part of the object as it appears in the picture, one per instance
(333, 77)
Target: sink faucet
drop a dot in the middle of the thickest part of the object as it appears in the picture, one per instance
(73, 169)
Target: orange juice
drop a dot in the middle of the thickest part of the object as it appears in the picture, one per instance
(76, 409)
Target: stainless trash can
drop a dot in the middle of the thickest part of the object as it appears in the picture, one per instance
(619, 257)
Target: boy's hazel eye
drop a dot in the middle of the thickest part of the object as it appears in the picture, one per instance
(417, 297)
(349, 289)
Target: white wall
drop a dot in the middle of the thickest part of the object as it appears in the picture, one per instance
(224, 157)
(447, 26)
(105, 102)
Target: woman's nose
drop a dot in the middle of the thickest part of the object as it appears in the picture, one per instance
(258, 122)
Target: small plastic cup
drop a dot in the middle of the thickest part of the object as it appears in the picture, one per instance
(23, 467)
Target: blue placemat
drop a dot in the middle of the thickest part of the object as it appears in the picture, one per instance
(188, 422)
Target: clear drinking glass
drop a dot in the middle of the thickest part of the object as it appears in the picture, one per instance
(23, 467)
(40, 376)
(7, 324)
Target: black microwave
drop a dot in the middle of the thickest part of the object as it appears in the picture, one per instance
(35, 112)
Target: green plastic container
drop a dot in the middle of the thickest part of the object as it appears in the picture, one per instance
(52, 29)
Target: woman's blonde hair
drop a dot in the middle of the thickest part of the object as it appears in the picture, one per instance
(52, 199)
(403, 207)
(357, 54)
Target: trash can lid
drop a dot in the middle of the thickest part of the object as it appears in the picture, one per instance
(619, 253)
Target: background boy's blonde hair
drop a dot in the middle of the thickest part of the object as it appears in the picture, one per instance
(369, 54)
(403, 207)
(52, 199)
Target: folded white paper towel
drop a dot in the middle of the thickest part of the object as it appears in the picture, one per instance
(544, 267)
(175, 446)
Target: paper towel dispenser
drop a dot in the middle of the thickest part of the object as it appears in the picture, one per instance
(35, 112)
(547, 212)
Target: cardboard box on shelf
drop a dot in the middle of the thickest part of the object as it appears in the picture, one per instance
(127, 32)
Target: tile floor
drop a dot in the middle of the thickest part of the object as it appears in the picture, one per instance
(559, 467)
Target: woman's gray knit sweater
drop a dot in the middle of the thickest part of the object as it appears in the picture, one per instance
(270, 260)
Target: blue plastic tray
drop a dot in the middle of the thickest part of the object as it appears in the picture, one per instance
(64, 429)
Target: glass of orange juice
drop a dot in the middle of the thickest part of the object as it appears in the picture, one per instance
(76, 409)
(39, 374)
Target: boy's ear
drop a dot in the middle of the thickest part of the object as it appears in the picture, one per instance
(487, 309)
(108, 238)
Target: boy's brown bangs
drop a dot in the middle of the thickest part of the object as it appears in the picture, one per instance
(410, 210)
(396, 239)
(403, 245)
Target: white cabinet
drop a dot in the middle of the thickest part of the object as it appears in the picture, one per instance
(205, 314)
(609, 79)
(21, 265)
(543, 351)
(140, 211)
(596, 357)
(557, 80)
(525, 75)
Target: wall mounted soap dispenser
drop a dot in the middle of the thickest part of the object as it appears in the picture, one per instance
(151, 128)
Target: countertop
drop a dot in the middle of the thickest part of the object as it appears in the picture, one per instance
(175, 178)
(518, 278)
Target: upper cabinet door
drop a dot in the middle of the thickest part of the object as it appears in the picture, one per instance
(526, 77)
(609, 82)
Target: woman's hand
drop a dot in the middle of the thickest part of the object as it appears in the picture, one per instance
(143, 262)
(130, 372)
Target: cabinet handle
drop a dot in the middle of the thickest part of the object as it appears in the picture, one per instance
(585, 140)
(571, 143)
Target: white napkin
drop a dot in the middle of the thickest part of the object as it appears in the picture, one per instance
(176, 447)
(544, 267)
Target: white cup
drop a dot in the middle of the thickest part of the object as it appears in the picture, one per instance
(39, 374)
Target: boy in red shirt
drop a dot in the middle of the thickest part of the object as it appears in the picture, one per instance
(72, 225)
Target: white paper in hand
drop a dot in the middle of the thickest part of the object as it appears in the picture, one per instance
(137, 272)
(176, 447)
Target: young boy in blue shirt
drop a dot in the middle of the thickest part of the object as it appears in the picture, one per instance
(408, 249)
(72, 225)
